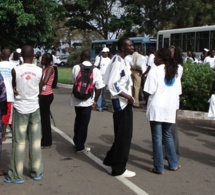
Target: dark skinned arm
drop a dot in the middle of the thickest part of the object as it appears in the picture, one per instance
(128, 97)
(14, 82)
(98, 92)
(146, 72)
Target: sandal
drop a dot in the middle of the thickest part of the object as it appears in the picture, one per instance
(152, 170)
(176, 169)
(8, 180)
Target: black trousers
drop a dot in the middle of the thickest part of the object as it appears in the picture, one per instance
(82, 120)
(117, 156)
(45, 103)
(54, 84)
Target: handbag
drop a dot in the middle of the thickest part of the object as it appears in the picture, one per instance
(211, 111)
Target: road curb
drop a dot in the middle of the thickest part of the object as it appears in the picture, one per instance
(198, 115)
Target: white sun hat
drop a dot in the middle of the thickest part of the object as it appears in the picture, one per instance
(105, 49)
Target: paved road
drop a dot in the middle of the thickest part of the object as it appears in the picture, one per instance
(69, 173)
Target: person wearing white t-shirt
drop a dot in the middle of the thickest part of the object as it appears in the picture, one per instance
(211, 59)
(102, 64)
(83, 108)
(6, 67)
(150, 64)
(119, 84)
(136, 75)
(163, 88)
(55, 62)
(26, 122)
(16, 59)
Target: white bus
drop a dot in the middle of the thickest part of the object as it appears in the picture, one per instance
(189, 39)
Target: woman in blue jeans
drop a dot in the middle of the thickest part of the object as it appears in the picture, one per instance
(163, 86)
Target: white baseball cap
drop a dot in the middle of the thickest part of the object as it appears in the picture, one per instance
(205, 49)
(18, 50)
(105, 49)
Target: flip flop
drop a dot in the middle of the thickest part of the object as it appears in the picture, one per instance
(152, 170)
(7, 180)
(176, 169)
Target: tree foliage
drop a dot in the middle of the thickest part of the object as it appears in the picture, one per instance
(169, 14)
(26, 22)
(107, 17)
(137, 17)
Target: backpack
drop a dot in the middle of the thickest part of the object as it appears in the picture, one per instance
(84, 86)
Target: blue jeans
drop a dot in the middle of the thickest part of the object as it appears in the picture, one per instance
(101, 103)
(163, 131)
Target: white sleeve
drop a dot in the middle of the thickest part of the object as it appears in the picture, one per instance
(150, 85)
(97, 60)
(150, 60)
(99, 84)
(75, 72)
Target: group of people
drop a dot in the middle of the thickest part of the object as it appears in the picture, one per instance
(207, 56)
(27, 91)
(31, 88)
(163, 88)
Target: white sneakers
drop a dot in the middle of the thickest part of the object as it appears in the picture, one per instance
(127, 173)
(85, 150)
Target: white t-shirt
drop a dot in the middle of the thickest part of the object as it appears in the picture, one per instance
(180, 73)
(128, 61)
(144, 63)
(5, 69)
(56, 60)
(151, 61)
(211, 61)
(104, 63)
(97, 79)
(119, 80)
(163, 101)
(28, 77)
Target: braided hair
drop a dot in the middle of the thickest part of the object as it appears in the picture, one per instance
(171, 67)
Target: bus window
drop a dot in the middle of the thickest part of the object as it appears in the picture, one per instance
(166, 43)
(202, 40)
(176, 39)
(160, 41)
(188, 41)
(212, 40)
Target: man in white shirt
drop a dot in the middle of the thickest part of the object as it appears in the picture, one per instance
(55, 63)
(150, 64)
(119, 83)
(136, 75)
(6, 67)
(211, 59)
(26, 121)
(150, 61)
(83, 108)
(102, 64)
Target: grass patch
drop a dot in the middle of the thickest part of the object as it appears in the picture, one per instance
(65, 75)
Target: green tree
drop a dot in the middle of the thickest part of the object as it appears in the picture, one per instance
(110, 18)
(26, 22)
(169, 14)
